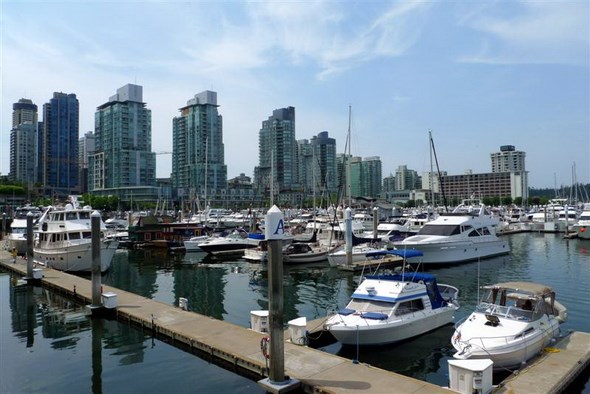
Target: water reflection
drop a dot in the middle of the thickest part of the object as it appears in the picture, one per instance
(49, 344)
(228, 288)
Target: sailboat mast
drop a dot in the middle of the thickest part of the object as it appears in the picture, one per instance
(348, 159)
(431, 170)
(206, 167)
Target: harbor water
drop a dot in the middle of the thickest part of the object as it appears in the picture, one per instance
(48, 345)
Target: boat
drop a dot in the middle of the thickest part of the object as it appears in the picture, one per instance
(233, 243)
(582, 226)
(64, 240)
(512, 324)
(360, 248)
(390, 308)
(17, 238)
(466, 234)
(301, 253)
(192, 244)
(258, 254)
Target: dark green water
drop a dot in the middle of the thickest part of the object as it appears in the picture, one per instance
(46, 346)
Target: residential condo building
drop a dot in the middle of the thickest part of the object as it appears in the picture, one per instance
(23, 142)
(123, 163)
(199, 172)
(58, 146)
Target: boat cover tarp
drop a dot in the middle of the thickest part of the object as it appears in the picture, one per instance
(346, 311)
(429, 280)
(374, 315)
(530, 287)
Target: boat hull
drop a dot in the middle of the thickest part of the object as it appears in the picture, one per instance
(76, 257)
(366, 333)
(459, 252)
(583, 231)
(507, 353)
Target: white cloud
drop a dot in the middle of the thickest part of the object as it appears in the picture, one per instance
(534, 32)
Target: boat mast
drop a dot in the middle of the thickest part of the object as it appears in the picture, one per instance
(431, 171)
(206, 168)
(348, 159)
(440, 181)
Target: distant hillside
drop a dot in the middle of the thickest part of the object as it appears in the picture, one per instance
(582, 192)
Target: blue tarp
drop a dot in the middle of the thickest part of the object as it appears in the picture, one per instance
(374, 315)
(405, 253)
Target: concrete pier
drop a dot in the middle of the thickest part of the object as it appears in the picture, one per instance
(238, 348)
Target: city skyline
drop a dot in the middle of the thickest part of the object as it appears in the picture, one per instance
(478, 75)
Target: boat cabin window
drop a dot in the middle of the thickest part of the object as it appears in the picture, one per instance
(474, 233)
(409, 307)
(71, 216)
(74, 235)
(84, 215)
(443, 229)
(369, 305)
(86, 234)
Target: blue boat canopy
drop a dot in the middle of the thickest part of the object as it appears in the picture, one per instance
(405, 253)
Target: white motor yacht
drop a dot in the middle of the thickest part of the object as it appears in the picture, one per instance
(513, 322)
(466, 234)
(64, 241)
(391, 308)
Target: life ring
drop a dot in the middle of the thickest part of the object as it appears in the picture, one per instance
(421, 282)
(264, 347)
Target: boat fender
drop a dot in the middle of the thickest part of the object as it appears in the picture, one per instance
(264, 347)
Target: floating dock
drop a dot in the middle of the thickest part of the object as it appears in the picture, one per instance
(238, 348)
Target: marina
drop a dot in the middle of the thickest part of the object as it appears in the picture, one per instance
(229, 290)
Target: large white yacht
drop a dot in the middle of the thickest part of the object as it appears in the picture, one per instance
(64, 240)
(466, 234)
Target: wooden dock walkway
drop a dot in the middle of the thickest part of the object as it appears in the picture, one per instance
(238, 348)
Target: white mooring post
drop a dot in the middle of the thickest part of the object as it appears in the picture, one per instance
(348, 234)
(96, 279)
(274, 234)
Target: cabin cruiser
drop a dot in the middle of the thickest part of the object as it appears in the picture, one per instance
(64, 240)
(466, 234)
(235, 242)
(513, 322)
(389, 308)
(17, 238)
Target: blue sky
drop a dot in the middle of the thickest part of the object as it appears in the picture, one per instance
(478, 74)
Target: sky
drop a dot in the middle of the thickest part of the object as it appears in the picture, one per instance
(475, 74)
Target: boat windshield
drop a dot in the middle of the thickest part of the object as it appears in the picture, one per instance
(442, 229)
(509, 312)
